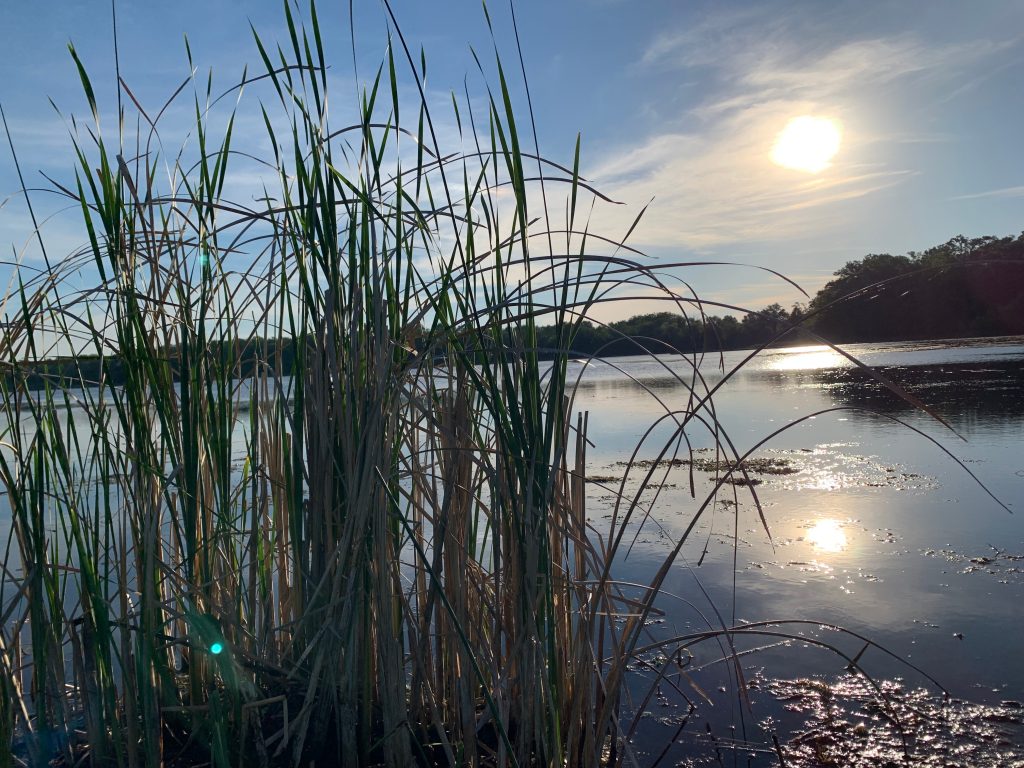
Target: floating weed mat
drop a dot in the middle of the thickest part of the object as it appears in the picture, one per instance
(1006, 567)
(721, 470)
(824, 467)
(766, 465)
(847, 723)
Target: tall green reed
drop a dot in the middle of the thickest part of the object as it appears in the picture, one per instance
(283, 531)
(304, 487)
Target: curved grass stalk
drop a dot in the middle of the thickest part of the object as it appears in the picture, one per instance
(292, 479)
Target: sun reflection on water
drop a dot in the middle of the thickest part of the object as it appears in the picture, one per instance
(827, 536)
(808, 359)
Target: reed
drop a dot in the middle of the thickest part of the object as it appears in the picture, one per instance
(304, 486)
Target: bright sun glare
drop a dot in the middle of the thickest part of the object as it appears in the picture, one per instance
(827, 535)
(807, 144)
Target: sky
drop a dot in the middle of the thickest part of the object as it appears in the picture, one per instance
(679, 105)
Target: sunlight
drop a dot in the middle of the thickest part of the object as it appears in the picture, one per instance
(827, 535)
(808, 359)
(807, 144)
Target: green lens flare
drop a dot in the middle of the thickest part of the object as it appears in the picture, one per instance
(216, 648)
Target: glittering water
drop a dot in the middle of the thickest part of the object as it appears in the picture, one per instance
(879, 520)
(878, 546)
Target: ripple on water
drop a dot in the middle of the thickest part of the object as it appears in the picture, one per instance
(849, 722)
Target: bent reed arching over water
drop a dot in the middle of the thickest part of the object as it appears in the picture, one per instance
(335, 502)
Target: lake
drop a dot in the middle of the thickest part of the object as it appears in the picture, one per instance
(880, 519)
(899, 526)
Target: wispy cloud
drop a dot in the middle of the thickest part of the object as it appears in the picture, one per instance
(718, 186)
(708, 169)
(1004, 192)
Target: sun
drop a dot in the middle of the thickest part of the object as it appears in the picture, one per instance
(827, 535)
(807, 144)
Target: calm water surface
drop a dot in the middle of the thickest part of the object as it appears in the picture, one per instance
(878, 518)
(877, 525)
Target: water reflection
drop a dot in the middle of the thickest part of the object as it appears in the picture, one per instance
(975, 388)
(827, 536)
(807, 358)
(871, 526)
(965, 392)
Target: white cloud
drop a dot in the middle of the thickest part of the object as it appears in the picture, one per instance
(719, 186)
(713, 184)
(1003, 192)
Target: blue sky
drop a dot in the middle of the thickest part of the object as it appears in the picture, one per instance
(677, 102)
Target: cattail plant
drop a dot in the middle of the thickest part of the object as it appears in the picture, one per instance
(291, 481)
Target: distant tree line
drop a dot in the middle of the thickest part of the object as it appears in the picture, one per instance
(667, 331)
(960, 289)
(246, 357)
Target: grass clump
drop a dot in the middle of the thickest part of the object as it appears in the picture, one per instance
(283, 533)
(303, 483)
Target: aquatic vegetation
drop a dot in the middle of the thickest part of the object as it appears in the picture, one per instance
(283, 531)
(334, 499)
(848, 723)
